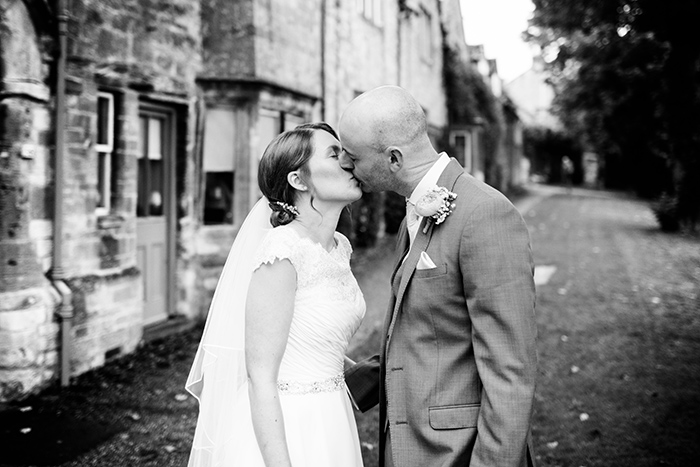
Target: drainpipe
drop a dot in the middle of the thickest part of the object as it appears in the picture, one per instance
(64, 312)
(399, 25)
(323, 60)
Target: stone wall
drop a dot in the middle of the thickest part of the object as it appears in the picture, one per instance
(28, 349)
(148, 45)
(136, 50)
(228, 39)
(145, 50)
(359, 54)
(422, 71)
(288, 44)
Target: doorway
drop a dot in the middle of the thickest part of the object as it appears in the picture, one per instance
(155, 210)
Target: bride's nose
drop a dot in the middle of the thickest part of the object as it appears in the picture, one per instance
(345, 161)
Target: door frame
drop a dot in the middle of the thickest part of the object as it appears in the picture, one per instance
(152, 108)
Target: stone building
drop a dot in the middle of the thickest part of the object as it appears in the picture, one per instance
(129, 138)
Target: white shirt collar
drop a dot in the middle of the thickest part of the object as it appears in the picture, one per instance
(430, 179)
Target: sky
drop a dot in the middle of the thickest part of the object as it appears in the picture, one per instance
(498, 25)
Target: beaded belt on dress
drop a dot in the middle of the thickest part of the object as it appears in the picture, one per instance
(335, 383)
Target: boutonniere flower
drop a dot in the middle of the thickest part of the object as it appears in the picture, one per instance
(436, 205)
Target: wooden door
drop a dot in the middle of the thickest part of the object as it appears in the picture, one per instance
(154, 205)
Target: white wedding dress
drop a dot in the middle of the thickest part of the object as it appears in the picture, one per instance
(329, 306)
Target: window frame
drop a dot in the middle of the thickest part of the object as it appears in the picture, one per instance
(231, 214)
(371, 10)
(427, 43)
(468, 147)
(106, 151)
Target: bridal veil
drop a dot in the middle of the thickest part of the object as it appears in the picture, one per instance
(218, 373)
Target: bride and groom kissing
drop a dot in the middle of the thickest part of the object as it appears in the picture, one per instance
(455, 373)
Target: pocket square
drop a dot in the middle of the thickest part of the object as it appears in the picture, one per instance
(424, 262)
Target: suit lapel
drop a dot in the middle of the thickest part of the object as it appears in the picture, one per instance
(403, 272)
(402, 243)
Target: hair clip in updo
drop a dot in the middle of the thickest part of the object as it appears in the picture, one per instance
(288, 208)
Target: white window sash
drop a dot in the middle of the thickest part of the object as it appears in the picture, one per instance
(105, 150)
(109, 145)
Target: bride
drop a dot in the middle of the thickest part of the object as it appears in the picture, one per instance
(268, 373)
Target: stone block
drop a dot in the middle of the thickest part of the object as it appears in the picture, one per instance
(50, 333)
(51, 359)
(19, 268)
(40, 229)
(44, 249)
(15, 383)
(128, 292)
(20, 349)
(25, 319)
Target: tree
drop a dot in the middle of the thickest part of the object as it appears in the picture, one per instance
(626, 74)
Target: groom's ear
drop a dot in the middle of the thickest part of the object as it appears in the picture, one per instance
(395, 158)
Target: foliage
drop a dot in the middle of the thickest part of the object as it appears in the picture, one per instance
(365, 220)
(666, 212)
(471, 102)
(545, 148)
(626, 73)
(466, 89)
(394, 212)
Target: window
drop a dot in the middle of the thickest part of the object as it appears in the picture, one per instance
(292, 121)
(269, 126)
(219, 166)
(219, 157)
(151, 166)
(371, 10)
(104, 148)
(273, 122)
(461, 141)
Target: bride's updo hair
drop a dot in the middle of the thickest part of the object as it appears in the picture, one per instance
(286, 153)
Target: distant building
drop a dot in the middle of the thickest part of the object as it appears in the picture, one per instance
(533, 96)
(501, 165)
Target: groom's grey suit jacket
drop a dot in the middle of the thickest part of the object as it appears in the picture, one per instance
(458, 357)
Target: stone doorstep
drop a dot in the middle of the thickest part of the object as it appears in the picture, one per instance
(174, 325)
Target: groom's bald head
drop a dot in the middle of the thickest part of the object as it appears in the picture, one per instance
(384, 135)
(385, 116)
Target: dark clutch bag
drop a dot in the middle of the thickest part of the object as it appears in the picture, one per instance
(362, 380)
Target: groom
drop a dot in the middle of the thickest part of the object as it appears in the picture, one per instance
(457, 363)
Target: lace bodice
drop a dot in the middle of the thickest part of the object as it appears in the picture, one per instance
(328, 305)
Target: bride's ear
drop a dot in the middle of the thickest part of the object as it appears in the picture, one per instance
(294, 179)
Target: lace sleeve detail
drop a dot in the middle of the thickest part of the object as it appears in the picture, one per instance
(278, 244)
(344, 244)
